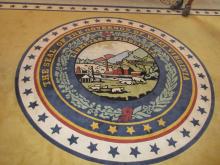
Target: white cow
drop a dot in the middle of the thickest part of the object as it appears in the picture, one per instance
(97, 85)
(138, 79)
(95, 88)
(128, 82)
(117, 90)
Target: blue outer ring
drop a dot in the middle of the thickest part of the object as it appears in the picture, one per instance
(151, 161)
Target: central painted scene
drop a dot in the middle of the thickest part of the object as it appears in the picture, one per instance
(116, 70)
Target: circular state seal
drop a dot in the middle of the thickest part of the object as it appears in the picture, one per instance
(106, 89)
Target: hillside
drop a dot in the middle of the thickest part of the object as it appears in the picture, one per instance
(119, 57)
(136, 54)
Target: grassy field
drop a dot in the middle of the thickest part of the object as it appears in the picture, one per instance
(134, 90)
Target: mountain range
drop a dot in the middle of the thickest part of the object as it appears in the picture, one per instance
(135, 55)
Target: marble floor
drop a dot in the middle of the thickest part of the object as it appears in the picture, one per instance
(198, 4)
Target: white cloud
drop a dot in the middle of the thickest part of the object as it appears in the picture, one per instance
(107, 47)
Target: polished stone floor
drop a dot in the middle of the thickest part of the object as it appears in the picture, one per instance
(198, 4)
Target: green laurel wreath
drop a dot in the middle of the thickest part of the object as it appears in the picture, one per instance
(108, 112)
(163, 99)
